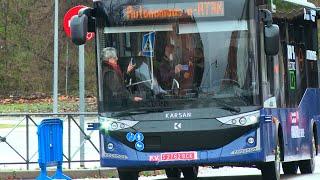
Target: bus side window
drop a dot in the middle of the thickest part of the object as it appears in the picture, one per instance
(300, 49)
(312, 46)
(276, 70)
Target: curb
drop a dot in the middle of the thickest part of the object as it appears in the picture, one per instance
(74, 174)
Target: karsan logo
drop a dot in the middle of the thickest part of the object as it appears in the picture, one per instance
(178, 115)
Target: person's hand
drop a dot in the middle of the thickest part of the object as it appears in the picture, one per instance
(178, 68)
(137, 99)
(130, 68)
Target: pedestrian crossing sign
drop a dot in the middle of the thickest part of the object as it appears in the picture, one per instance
(148, 44)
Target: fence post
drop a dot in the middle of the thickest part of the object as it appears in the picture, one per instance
(69, 143)
(27, 141)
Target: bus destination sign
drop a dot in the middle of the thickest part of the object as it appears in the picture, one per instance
(177, 10)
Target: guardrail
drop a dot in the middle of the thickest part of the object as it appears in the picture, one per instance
(21, 119)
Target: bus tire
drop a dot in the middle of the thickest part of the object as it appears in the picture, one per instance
(173, 173)
(290, 167)
(128, 174)
(271, 170)
(308, 166)
(190, 173)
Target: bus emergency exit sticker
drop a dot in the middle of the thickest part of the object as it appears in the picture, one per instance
(293, 80)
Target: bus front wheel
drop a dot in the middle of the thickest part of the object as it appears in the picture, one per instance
(190, 172)
(173, 173)
(128, 175)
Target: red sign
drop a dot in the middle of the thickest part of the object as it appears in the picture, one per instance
(67, 20)
(294, 117)
(177, 156)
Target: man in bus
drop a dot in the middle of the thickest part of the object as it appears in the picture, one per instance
(167, 70)
(115, 90)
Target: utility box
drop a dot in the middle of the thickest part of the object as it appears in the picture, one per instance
(50, 148)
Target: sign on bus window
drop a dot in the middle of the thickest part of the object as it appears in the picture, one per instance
(174, 10)
(148, 44)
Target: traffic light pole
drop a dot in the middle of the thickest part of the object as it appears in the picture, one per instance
(56, 57)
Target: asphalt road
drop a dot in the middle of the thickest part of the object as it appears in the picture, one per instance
(229, 173)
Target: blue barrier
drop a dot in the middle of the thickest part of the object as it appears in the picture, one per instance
(50, 147)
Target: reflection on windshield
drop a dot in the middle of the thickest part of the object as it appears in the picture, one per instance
(143, 74)
(183, 65)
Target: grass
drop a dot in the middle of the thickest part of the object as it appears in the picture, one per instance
(28, 108)
(152, 173)
(42, 107)
(5, 126)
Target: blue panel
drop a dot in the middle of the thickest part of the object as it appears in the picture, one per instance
(296, 126)
(50, 148)
(50, 141)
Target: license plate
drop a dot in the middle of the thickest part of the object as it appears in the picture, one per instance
(176, 156)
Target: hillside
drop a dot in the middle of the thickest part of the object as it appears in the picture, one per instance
(26, 49)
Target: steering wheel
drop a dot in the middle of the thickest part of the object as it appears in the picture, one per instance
(232, 81)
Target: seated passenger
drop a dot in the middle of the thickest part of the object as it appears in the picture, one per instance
(115, 91)
(187, 73)
(167, 70)
(193, 68)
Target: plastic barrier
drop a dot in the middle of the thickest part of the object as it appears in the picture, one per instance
(50, 147)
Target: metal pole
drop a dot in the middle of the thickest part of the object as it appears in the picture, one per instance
(69, 144)
(82, 99)
(152, 77)
(67, 69)
(56, 56)
(27, 141)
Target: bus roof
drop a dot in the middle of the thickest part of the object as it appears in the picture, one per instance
(304, 3)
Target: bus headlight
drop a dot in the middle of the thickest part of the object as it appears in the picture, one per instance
(246, 119)
(111, 124)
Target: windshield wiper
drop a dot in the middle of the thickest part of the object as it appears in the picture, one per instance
(227, 106)
(139, 111)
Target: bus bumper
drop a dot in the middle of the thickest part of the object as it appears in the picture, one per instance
(244, 151)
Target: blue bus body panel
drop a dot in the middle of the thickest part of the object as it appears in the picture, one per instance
(296, 126)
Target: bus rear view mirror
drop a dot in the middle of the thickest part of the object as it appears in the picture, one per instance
(271, 40)
(79, 29)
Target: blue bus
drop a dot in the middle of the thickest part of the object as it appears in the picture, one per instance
(185, 83)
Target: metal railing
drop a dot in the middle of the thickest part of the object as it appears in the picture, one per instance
(29, 120)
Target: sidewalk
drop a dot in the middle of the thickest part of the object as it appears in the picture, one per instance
(74, 174)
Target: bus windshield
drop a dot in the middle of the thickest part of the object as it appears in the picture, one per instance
(179, 55)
